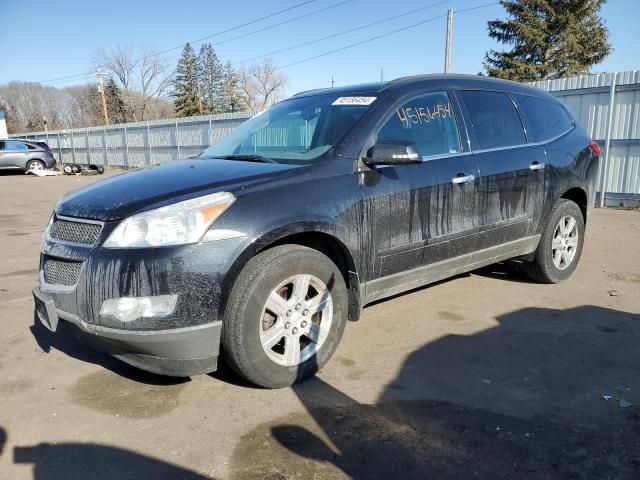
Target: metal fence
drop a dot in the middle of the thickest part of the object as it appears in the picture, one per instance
(141, 143)
(607, 105)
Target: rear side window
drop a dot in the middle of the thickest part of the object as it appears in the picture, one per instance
(14, 146)
(545, 120)
(427, 121)
(494, 119)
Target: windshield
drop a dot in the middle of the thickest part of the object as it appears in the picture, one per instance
(294, 131)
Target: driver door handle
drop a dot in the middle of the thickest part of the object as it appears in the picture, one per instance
(536, 166)
(460, 179)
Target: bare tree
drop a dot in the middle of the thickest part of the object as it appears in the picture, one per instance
(144, 78)
(30, 103)
(261, 84)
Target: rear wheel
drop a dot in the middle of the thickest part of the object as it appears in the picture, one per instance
(285, 317)
(560, 246)
(35, 165)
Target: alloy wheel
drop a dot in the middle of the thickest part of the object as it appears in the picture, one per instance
(565, 242)
(296, 320)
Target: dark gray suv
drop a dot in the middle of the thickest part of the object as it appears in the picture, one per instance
(25, 155)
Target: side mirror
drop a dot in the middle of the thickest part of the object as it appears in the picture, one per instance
(392, 153)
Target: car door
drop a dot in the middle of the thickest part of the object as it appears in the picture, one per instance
(14, 154)
(511, 185)
(423, 214)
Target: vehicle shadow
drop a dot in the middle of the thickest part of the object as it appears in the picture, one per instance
(510, 270)
(528, 398)
(65, 339)
(89, 460)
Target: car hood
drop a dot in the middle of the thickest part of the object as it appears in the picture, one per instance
(133, 192)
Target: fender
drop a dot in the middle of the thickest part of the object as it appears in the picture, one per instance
(274, 235)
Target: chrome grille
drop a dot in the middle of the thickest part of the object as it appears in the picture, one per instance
(58, 271)
(75, 232)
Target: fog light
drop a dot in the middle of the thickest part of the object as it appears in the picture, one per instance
(128, 309)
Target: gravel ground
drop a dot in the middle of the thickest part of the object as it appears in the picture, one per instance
(485, 375)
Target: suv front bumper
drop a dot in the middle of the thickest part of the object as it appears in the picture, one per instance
(183, 343)
(176, 352)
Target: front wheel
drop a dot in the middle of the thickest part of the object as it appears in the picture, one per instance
(560, 246)
(285, 317)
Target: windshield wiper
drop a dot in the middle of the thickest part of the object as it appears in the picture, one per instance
(247, 158)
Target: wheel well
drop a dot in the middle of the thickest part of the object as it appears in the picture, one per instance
(579, 197)
(338, 253)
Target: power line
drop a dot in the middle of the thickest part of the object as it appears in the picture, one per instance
(297, 5)
(290, 20)
(346, 47)
(236, 27)
(392, 32)
(68, 77)
(268, 27)
(344, 32)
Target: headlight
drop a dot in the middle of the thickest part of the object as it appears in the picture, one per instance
(177, 224)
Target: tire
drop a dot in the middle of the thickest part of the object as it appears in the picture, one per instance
(544, 267)
(35, 165)
(249, 322)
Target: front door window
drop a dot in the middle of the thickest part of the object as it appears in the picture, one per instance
(427, 120)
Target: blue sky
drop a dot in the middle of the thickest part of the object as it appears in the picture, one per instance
(46, 39)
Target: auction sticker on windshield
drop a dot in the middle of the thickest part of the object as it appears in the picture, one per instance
(354, 101)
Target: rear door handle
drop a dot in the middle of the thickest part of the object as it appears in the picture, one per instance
(462, 179)
(536, 166)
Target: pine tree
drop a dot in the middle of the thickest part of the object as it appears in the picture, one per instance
(548, 38)
(211, 78)
(231, 97)
(186, 86)
(115, 103)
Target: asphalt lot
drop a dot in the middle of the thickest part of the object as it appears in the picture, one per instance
(482, 376)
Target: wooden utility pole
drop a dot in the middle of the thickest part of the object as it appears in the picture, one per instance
(100, 74)
(447, 51)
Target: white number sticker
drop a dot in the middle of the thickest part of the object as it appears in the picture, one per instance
(354, 101)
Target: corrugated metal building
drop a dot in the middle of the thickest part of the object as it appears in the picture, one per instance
(607, 105)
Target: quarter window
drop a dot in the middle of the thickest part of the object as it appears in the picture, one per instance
(494, 119)
(428, 121)
(545, 120)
